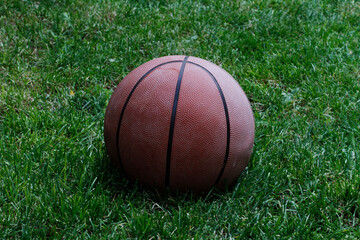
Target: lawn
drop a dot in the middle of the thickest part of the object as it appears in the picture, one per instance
(298, 62)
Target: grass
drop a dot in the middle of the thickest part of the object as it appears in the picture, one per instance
(298, 61)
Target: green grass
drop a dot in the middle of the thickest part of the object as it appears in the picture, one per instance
(298, 61)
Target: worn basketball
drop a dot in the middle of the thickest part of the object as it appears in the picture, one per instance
(180, 123)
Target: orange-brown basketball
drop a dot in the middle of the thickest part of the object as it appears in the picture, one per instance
(180, 122)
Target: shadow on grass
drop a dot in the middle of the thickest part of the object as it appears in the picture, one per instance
(115, 182)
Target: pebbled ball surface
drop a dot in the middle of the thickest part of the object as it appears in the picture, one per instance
(209, 146)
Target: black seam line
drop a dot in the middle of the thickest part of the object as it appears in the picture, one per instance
(227, 121)
(125, 104)
(172, 123)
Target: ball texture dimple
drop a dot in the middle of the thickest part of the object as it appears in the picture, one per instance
(180, 123)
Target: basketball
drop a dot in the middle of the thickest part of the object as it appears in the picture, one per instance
(180, 123)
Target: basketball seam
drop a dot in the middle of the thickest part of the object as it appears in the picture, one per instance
(126, 103)
(172, 123)
(227, 121)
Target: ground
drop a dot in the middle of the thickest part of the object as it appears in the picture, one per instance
(298, 62)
